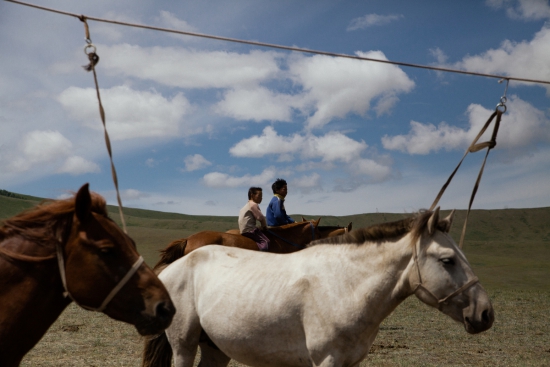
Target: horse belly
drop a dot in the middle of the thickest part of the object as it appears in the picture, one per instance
(260, 344)
(252, 314)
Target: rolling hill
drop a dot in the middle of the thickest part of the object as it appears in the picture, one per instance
(508, 248)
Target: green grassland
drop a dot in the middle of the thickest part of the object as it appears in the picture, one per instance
(509, 250)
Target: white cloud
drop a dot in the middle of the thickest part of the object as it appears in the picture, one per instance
(151, 162)
(307, 181)
(522, 126)
(195, 162)
(324, 88)
(368, 167)
(334, 87)
(222, 180)
(267, 143)
(38, 147)
(526, 59)
(133, 194)
(76, 165)
(257, 104)
(169, 20)
(424, 138)
(439, 55)
(523, 9)
(129, 113)
(179, 67)
(371, 20)
(333, 146)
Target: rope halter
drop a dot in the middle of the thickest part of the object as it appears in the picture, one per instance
(110, 296)
(440, 301)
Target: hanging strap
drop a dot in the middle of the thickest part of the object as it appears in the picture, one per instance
(90, 50)
(474, 147)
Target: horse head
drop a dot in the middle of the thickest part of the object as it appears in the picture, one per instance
(441, 276)
(102, 270)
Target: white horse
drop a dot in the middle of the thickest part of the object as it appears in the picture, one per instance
(321, 306)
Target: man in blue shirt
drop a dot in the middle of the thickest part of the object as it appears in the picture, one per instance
(276, 213)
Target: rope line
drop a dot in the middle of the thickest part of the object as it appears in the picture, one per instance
(92, 56)
(281, 47)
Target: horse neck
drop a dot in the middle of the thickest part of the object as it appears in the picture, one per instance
(31, 299)
(380, 273)
(286, 238)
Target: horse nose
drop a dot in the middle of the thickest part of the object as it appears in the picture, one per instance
(487, 317)
(164, 311)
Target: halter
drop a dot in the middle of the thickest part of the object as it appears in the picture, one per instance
(443, 300)
(113, 292)
(292, 243)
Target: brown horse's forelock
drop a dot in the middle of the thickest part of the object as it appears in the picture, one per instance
(43, 222)
(382, 231)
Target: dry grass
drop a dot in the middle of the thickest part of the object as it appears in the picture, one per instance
(414, 335)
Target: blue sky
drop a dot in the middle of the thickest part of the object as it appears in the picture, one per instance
(195, 122)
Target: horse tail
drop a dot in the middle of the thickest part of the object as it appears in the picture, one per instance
(172, 252)
(157, 352)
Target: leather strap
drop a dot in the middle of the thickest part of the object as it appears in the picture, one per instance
(474, 147)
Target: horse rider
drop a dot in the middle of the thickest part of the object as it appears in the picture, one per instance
(249, 214)
(276, 213)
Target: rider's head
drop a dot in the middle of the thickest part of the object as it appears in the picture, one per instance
(280, 187)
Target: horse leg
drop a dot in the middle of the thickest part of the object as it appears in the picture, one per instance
(211, 356)
(184, 354)
(184, 342)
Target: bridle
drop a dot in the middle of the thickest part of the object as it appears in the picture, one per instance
(440, 301)
(110, 296)
(292, 243)
(61, 264)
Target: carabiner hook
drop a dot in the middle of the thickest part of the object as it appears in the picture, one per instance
(503, 99)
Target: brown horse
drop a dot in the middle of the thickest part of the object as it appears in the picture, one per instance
(70, 250)
(283, 239)
(331, 231)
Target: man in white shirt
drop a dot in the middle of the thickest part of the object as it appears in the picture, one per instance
(248, 216)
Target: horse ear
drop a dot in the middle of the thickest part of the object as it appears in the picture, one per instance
(304, 219)
(445, 224)
(349, 227)
(83, 203)
(433, 221)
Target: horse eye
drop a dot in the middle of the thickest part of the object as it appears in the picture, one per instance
(106, 250)
(447, 261)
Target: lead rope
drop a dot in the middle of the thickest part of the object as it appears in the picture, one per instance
(474, 147)
(90, 50)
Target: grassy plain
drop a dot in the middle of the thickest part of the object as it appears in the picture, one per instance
(509, 250)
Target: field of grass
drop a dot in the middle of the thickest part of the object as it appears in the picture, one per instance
(414, 335)
(509, 250)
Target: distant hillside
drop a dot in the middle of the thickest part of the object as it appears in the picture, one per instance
(508, 248)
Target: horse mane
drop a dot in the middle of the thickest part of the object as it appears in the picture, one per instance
(42, 222)
(326, 228)
(382, 231)
(287, 226)
(171, 253)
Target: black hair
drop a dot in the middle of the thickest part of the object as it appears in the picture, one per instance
(278, 184)
(253, 191)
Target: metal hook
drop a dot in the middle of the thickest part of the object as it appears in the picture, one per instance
(88, 46)
(503, 99)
